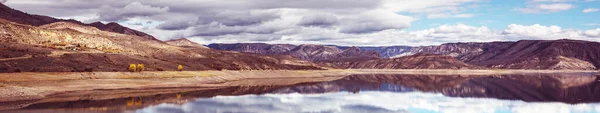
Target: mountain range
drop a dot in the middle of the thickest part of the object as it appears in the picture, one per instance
(36, 43)
(524, 54)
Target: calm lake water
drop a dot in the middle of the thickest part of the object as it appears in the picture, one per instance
(533, 93)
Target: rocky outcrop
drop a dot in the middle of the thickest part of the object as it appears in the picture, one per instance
(20, 17)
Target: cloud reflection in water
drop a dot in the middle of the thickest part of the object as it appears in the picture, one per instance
(369, 101)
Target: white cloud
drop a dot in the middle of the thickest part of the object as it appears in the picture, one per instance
(377, 21)
(433, 36)
(589, 10)
(593, 33)
(533, 30)
(546, 8)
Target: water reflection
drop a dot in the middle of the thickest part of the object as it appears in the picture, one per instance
(365, 102)
(533, 88)
(570, 88)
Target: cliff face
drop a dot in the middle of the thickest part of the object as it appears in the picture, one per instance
(20, 17)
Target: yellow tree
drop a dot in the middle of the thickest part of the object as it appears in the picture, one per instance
(140, 67)
(179, 67)
(132, 67)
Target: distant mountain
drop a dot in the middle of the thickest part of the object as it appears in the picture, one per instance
(310, 52)
(525, 54)
(417, 61)
(386, 51)
(20, 17)
(350, 57)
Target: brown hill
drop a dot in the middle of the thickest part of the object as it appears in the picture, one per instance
(539, 54)
(65, 46)
(20, 17)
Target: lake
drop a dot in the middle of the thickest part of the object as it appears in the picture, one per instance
(528, 93)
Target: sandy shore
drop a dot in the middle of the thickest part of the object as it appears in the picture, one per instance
(37, 86)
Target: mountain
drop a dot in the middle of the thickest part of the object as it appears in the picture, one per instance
(417, 61)
(539, 54)
(65, 46)
(386, 51)
(524, 54)
(310, 52)
(20, 17)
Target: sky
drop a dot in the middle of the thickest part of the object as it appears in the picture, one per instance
(337, 22)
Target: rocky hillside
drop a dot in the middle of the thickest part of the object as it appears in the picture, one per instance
(417, 61)
(539, 54)
(308, 52)
(64, 46)
(526, 54)
(387, 51)
(20, 17)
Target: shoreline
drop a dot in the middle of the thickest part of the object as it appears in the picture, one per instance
(34, 86)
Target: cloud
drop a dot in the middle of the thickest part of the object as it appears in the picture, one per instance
(3, 1)
(319, 20)
(546, 8)
(533, 30)
(593, 33)
(433, 36)
(133, 9)
(589, 10)
(377, 21)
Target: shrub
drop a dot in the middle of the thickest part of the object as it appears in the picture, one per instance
(160, 69)
(140, 67)
(179, 67)
(132, 67)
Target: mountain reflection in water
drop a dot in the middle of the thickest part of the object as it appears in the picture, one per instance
(563, 89)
